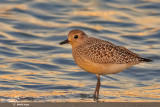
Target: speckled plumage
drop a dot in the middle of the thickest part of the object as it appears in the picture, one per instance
(100, 57)
(104, 52)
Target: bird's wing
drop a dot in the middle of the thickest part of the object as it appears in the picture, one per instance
(105, 52)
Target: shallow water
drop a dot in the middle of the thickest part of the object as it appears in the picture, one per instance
(34, 67)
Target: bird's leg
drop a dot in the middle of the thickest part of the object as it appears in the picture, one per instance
(96, 93)
(99, 84)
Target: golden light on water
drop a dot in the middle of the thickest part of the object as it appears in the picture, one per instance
(46, 67)
(148, 92)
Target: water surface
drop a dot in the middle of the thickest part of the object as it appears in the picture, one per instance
(34, 67)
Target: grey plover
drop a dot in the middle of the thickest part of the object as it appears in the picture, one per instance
(100, 57)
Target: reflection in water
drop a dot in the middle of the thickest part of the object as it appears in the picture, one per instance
(33, 67)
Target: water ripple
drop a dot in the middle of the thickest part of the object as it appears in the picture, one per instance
(34, 67)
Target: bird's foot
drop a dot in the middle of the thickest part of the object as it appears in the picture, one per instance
(95, 98)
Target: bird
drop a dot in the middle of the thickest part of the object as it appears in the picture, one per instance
(100, 57)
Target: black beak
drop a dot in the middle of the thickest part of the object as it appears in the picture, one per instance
(64, 42)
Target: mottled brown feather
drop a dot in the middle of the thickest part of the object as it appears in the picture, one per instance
(104, 52)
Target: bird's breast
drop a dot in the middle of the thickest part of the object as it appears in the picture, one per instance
(97, 68)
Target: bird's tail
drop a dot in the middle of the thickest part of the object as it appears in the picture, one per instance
(145, 60)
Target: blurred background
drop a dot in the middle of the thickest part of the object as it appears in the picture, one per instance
(34, 67)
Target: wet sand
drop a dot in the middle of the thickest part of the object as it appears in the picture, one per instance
(82, 104)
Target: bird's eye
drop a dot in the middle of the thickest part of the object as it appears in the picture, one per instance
(76, 36)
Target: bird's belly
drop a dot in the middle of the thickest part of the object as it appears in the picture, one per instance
(102, 69)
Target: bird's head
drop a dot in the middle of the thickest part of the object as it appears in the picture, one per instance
(75, 37)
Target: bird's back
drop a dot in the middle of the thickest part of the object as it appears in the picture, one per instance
(104, 52)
